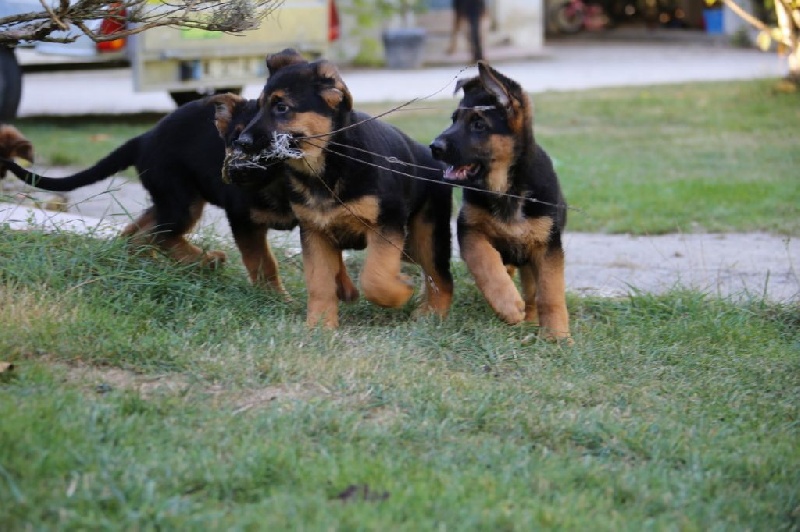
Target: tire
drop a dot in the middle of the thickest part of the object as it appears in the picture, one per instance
(10, 83)
(182, 97)
(566, 18)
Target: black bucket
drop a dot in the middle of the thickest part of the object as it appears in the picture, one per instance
(404, 47)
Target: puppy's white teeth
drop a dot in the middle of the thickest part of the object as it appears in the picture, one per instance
(456, 174)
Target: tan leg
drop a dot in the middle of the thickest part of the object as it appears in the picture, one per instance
(144, 231)
(345, 289)
(381, 280)
(321, 265)
(260, 263)
(143, 224)
(183, 251)
(421, 248)
(527, 276)
(551, 298)
(138, 232)
(491, 276)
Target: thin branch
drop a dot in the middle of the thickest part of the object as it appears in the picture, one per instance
(231, 16)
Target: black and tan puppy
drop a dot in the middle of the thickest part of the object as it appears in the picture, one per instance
(513, 212)
(179, 162)
(13, 144)
(266, 187)
(352, 185)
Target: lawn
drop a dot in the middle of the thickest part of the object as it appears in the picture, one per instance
(147, 396)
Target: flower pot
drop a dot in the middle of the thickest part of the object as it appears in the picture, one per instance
(404, 47)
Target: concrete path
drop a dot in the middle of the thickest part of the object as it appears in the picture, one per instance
(729, 265)
(567, 66)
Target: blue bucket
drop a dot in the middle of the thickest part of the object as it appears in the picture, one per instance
(713, 21)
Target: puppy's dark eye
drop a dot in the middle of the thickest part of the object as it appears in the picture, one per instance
(280, 108)
(479, 126)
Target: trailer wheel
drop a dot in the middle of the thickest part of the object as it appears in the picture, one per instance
(182, 97)
(10, 83)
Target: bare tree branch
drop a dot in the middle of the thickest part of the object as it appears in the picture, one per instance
(231, 16)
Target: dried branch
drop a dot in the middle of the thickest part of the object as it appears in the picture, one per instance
(231, 16)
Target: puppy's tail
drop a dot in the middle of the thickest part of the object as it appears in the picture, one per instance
(116, 161)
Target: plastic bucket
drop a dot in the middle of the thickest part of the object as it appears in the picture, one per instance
(712, 18)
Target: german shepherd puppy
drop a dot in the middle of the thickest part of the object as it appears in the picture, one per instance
(353, 184)
(13, 144)
(471, 12)
(179, 162)
(513, 211)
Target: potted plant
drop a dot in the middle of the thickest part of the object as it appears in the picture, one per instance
(403, 41)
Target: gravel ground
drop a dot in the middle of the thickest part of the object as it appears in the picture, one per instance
(730, 265)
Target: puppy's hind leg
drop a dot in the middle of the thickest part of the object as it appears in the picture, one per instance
(170, 235)
(429, 245)
(527, 275)
(139, 232)
(260, 263)
(551, 299)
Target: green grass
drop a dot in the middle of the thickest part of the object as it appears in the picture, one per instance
(149, 396)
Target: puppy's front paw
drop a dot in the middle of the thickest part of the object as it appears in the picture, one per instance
(213, 259)
(511, 311)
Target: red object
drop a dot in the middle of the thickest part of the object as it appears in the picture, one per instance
(333, 22)
(111, 25)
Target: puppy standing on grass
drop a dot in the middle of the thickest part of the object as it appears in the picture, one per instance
(513, 211)
(179, 162)
(352, 185)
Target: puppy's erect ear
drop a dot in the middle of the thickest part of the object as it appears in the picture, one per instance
(493, 82)
(466, 84)
(224, 105)
(509, 95)
(284, 58)
(334, 91)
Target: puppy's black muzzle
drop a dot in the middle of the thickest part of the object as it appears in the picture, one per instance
(245, 143)
(438, 148)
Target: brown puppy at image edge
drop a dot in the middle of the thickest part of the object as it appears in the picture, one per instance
(13, 144)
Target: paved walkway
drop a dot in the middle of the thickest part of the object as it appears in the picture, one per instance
(729, 265)
(567, 66)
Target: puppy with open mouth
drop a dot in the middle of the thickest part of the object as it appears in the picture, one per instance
(513, 213)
